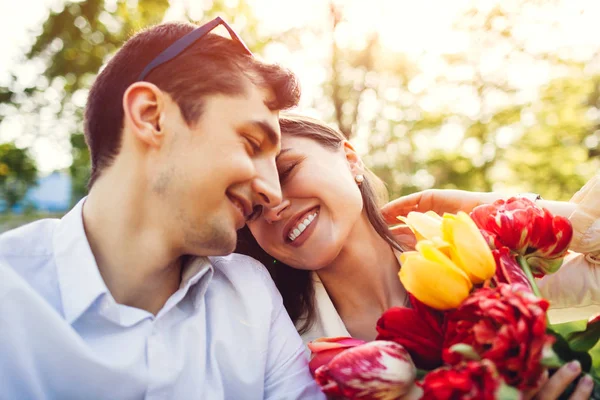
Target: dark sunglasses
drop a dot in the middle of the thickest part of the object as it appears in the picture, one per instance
(183, 43)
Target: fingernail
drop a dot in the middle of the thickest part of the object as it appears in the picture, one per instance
(587, 381)
(574, 366)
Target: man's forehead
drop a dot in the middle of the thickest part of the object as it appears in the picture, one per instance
(264, 94)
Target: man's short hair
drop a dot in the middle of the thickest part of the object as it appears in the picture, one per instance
(212, 65)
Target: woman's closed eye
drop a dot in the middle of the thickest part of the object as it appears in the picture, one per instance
(287, 170)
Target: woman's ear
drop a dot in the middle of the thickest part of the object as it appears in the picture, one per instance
(144, 107)
(354, 161)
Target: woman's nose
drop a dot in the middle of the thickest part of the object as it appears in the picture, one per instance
(274, 214)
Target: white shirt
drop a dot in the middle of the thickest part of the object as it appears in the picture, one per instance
(223, 335)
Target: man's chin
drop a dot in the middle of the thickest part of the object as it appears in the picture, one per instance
(220, 242)
(226, 247)
(225, 251)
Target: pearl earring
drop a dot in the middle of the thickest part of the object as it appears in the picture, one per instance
(359, 178)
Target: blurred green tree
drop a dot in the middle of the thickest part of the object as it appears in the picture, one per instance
(80, 168)
(557, 151)
(482, 138)
(18, 173)
(74, 42)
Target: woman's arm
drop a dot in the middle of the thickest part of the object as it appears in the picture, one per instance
(453, 201)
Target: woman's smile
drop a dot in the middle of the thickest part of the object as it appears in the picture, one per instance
(300, 229)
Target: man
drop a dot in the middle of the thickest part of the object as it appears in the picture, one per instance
(118, 299)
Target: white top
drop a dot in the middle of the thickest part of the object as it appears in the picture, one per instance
(573, 291)
(223, 335)
(327, 322)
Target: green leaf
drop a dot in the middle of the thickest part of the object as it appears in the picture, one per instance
(421, 374)
(466, 351)
(566, 353)
(585, 340)
(551, 360)
(567, 327)
(506, 392)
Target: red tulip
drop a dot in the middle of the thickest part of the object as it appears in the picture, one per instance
(324, 349)
(551, 244)
(379, 370)
(506, 325)
(526, 229)
(472, 380)
(418, 329)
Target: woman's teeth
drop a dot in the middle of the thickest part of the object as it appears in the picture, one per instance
(301, 226)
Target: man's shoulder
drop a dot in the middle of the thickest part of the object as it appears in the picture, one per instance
(28, 251)
(31, 240)
(245, 275)
(239, 266)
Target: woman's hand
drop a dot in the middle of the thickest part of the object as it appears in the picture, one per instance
(437, 200)
(553, 387)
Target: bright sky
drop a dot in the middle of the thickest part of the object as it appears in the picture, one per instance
(406, 26)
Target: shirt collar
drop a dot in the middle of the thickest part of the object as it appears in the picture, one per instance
(79, 279)
(198, 272)
(194, 269)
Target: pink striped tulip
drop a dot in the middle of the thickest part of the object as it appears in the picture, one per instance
(379, 370)
(324, 349)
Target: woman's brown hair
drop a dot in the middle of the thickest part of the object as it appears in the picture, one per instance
(295, 285)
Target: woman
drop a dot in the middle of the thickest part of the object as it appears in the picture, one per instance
(344, 247)
(327, 245)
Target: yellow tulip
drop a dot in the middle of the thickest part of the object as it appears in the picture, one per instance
(426, 225)
(468, 248)
(433, 278)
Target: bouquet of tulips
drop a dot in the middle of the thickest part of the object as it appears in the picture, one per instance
(477, 326)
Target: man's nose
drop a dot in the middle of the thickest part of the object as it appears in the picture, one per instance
(266, 186)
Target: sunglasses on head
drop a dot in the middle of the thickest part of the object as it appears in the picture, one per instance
(186, 41)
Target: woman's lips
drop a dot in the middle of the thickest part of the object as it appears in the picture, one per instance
(297, 235)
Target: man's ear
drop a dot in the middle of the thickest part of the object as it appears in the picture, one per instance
(144, 107)
(356, 164)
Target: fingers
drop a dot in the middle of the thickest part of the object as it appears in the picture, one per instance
(559, 382)
(404, 236)
(400, 206)
(584, 389)
(530, 394)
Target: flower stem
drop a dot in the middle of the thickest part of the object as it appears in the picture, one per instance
(527, 269)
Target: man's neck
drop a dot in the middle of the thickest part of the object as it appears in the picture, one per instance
(131, 248)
